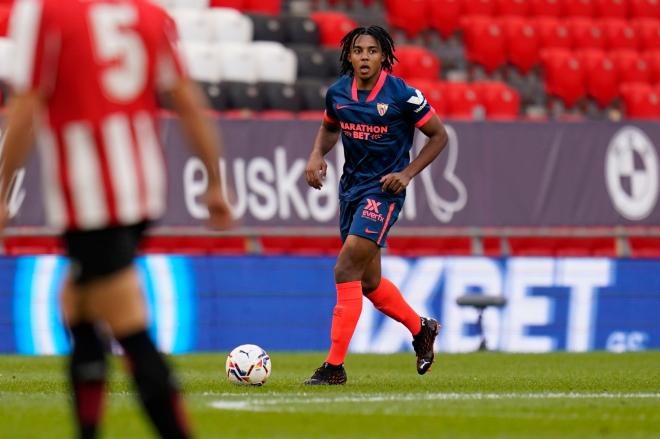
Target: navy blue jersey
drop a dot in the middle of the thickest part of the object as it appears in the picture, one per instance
(377, 128)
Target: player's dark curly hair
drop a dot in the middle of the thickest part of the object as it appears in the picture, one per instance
(381, 35)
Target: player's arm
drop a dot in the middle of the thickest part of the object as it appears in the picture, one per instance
(325, 140)
(204, 140)
(18, 142)
(397, 182)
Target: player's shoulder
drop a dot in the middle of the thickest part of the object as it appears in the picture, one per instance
(399, 88)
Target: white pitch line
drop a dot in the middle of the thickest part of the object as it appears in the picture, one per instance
(253, 404)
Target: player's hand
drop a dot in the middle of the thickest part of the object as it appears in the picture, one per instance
(220, 217)
(394, 183)
(315, 171)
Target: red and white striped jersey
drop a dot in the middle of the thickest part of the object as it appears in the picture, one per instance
(99, 65)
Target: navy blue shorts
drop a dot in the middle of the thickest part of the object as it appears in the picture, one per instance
(370, 217)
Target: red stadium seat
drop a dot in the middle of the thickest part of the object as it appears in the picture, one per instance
(479, 7)
(652, 58)
(586, 34)
(333, 26)
(601, 76)
(545, 8)
(516, 8)
(553, 34)
(645, 9)
(485, 42)
(410, 15)
(619, 34)
(434, 91)
(631, 66)
(499, 100)
(564, 76)
(579, 8)
(462, 100)
(522, 43)
(612, 9)
(235, 4)
(644, 246)
(641, 101)
(416, 62)
(429, 246)
(267, 7)
(648, 33)
(445, 16)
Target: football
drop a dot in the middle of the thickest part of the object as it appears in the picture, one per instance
(248, 364)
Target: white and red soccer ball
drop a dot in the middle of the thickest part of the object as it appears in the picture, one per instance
(248, 364)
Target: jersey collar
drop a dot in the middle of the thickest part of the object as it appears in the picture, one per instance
(374, 91)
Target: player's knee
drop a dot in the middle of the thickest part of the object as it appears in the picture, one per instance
(346, 272)
(369, 284)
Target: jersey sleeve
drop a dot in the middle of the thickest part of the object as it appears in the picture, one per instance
(415, 106)
(36, 47)
(169, 68)
(330, 114)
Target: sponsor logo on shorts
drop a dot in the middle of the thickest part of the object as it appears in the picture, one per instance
(372, 211)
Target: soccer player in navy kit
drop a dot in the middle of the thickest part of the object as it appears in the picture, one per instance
(376, 114)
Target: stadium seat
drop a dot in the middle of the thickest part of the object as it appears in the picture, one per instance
(445, 16)
(648, 33)
(652, 58)
(564, 77)
(312, 62)
(645, 9)
(267, 28)
(435, 93)
(416, 62)
(611, 9)
(231, 26)
(644, 246)
(545, 8)
(641, 100)
(204, 61)
(412, 16)
(619, 34)
(274, 62)
(579, 8)
(553, 34)
(602, 79)
(267, 7)
(301, 30)
(234, 4)
(188, 4)
(429, 246)
(238, 62)
(586, 34)
(242, 96)
(195, 25)
(333, 26)
(500, 101)
(631, 66)
(522, 43)
(462, 101)
(278, 96)
(312, 94)
(513, 8)
(479, 7)
(485, 42)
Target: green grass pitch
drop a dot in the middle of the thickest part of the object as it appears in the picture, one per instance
(471, 395)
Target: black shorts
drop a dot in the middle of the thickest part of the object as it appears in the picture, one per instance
(98, 253)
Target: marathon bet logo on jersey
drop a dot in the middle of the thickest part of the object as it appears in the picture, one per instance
(631, 173)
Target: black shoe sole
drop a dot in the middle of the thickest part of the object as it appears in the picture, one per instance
(423, 371)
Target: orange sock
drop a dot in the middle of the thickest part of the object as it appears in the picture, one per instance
(388, 299)
(344, 320)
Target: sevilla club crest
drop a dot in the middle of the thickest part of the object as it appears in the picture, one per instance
(382, 108)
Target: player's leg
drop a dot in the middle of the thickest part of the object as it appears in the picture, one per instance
(351, 263)
(87, 363)
(110, 285)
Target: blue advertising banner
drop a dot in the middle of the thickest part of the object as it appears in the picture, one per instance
(285, 303)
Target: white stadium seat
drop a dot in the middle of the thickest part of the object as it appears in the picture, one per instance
(192, 4)
(203, 61)
(195, 25)
(275, 63)
(213, 25)
(231, 26)
(237, 62)
(6, 48)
